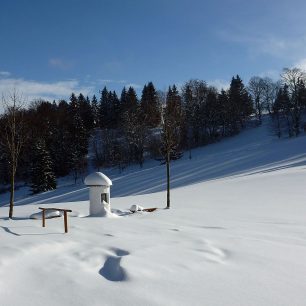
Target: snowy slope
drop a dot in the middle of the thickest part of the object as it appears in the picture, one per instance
(235, 235)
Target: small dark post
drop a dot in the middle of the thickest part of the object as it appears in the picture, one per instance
(168, 179)
(43, 218)
(65, 221)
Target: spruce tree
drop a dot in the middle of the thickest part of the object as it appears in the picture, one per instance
(95, 111)
(223, 102)
(116, 110)
(74, 106)
(78, 147)
(212, 113)
(60, 148)
(85, 111)
(282, 111)
(110, 106)
(42, 175)
(194, 95)
(123, 96)
(241, 106)
(103, 108)
(150, 106)
(131, 100)
(173, 123)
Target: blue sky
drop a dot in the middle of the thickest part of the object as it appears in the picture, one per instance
(51, 48)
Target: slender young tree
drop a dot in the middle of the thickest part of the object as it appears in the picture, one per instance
(13, 136)
(171, 133)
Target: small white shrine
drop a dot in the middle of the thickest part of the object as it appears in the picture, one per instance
(99, 194)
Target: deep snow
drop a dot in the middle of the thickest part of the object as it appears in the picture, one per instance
(235, 235)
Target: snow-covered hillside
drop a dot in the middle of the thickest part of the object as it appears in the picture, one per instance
(235, 235)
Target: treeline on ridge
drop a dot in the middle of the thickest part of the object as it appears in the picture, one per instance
(126, 129)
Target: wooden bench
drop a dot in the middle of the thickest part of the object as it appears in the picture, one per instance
(59, 209)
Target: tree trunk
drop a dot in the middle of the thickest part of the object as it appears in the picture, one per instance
(12, 191)
(278, 127)
(168, 179)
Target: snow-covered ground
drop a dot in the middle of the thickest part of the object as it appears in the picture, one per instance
(235, 235)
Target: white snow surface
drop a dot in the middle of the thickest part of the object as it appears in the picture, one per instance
(49, 214)
(235, 234)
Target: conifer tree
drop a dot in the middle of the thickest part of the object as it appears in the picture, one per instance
(223, 102)
(103, 109)
(42, 174)
(111, 115)
(95, 111)
(131, 100)
(189, 116)
(123, 96)
(116, 110)
(240, 104)
(85, 112)
(78, 146)
(282, 111)
(194, 98)
(212, 113)
(74, 106)
(61, 145)
(174, 110)
(150, 105)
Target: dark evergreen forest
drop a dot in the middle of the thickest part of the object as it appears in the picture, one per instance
(124, 129)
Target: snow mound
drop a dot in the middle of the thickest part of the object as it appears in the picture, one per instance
(135, 208)
(98, 179)
(106, 212)
(49, 214)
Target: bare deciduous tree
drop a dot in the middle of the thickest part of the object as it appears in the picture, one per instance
(13, 136)
(270, 92)
(295, 80)
(256, 88)
(293, 77)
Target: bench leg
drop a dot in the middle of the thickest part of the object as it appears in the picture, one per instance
(43, 218)
(65, 222)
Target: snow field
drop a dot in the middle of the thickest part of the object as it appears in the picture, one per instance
(234, 236)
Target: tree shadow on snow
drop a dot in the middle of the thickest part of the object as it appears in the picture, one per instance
(6, 229)
(10, 231)
(250, 153)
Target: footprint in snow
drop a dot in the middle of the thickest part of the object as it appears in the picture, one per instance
(120, 252)
(112, 269)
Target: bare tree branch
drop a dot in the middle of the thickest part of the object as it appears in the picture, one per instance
(14, 136)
